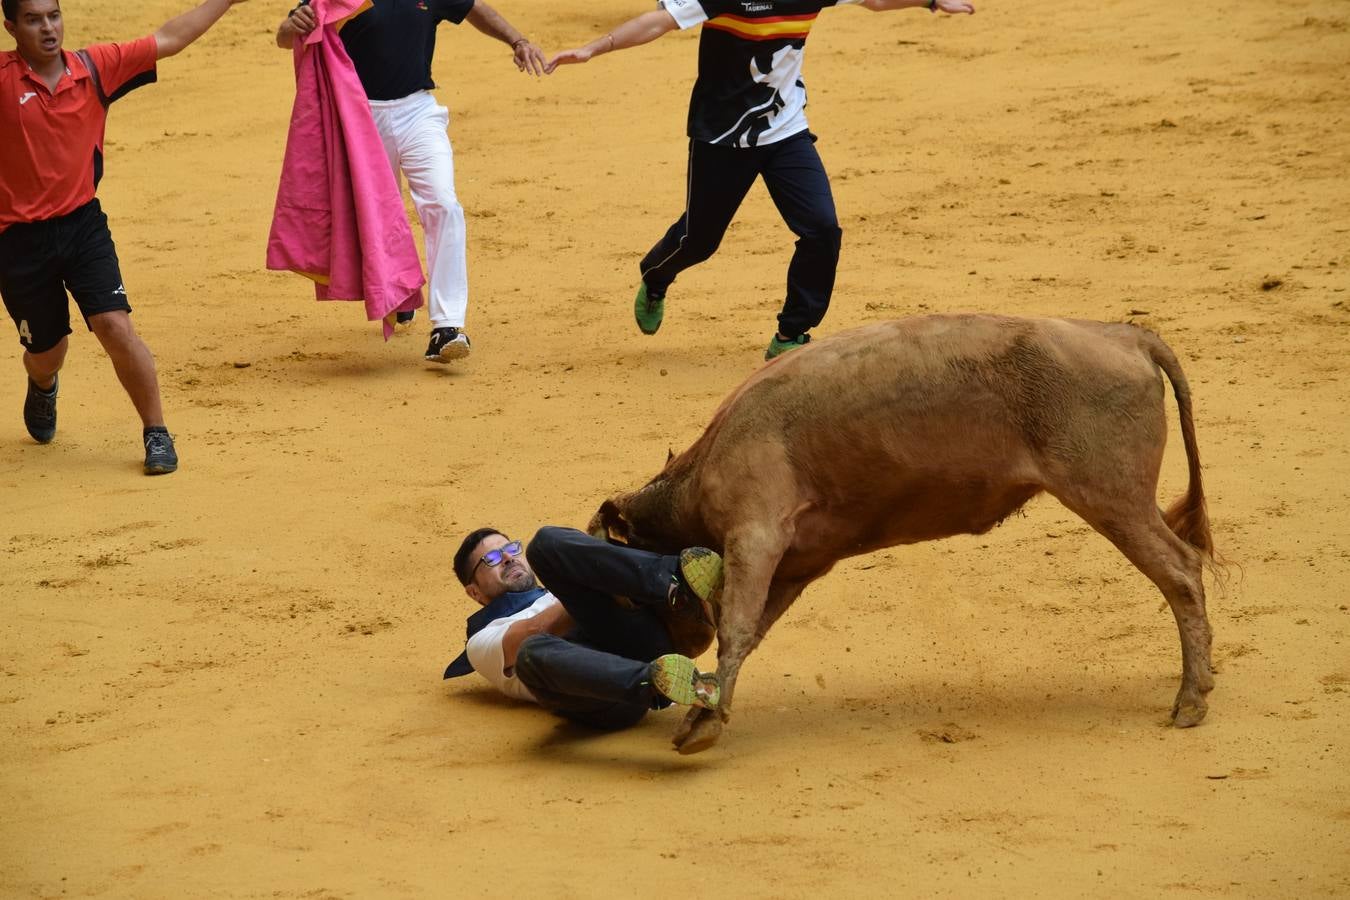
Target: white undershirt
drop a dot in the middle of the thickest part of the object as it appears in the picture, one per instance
(488, 657)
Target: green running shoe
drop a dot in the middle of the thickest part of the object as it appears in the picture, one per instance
(677, 678)
(778, 347)
(648, 309)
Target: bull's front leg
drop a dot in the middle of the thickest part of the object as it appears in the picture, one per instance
(750, 564)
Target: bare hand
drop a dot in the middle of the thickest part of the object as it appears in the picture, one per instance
(567, 58)
(303, 20)
(530, 59)
(953, 7)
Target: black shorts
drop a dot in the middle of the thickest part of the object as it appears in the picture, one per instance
(40, 261)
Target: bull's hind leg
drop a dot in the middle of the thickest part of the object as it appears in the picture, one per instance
(1177, 569)
(750, 563)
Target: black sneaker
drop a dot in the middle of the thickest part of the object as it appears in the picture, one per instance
(403, 318)
(39, 412)
(447, 344)
(160, 458)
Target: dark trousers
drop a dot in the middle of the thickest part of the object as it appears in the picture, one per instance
(599, 673)
(719, 178)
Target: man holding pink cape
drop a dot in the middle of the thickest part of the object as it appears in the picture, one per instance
(390, 44)
(339, 218)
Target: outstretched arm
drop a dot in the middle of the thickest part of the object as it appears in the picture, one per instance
(176, 34)
(948, 6)
(645, 28)
(528, 57)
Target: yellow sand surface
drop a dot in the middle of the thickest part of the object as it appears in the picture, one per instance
(226, 682)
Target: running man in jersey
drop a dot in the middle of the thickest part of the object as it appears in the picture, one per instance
(54, 236)
(391, 46)
(747, 119)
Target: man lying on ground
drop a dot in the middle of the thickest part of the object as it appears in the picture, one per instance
(572, 646)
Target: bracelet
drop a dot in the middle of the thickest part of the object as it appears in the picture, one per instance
(517, 43)
(611, 41)
(932, 6)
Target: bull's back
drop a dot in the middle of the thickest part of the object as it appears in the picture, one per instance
(906, 387)
(920, 428)
(1008, 345)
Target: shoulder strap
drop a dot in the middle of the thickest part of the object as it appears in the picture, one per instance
(93, 73)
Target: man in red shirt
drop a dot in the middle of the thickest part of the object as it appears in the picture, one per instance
(54, 236)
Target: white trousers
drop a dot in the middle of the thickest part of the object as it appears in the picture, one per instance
(416, 140)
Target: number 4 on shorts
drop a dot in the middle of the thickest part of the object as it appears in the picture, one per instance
(24, 334)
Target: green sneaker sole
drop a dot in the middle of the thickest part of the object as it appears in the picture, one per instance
(677, 678)
(701, 570)
(647, 311)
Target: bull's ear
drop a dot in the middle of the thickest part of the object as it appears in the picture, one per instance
(610, 523)
(670, 454)
(595, 528)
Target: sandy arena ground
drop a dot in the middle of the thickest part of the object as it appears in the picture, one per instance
(227, 682)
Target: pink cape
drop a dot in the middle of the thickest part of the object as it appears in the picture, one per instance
(339, 217)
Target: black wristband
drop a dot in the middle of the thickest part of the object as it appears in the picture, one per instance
(932, 6)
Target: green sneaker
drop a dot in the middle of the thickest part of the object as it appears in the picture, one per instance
(648, 310)
(694, 595)
(678, 679)
(778, 347)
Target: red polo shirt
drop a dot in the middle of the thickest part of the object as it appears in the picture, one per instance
(51, 155)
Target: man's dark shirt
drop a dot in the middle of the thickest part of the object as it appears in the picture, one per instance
(391, 44)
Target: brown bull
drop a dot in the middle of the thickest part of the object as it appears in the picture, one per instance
(920, 429)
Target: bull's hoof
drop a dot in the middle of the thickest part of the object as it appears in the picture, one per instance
(1188, 715)
(699, 731)
(687, 723)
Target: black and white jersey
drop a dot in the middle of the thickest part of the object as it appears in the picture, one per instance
(749, 90)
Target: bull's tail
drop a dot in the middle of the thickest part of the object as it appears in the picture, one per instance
(1188, 516)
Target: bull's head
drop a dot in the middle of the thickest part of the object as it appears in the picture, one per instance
(644, 518)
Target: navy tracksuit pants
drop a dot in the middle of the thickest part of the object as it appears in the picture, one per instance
(719, 178)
